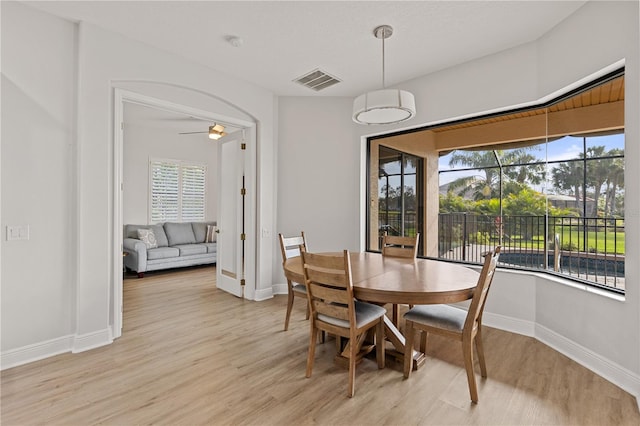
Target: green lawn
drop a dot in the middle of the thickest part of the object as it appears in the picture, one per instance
(609, 242)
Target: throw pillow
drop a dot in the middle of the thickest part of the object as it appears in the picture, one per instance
(211, 234)
(148, 238)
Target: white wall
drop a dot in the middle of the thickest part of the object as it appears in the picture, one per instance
(57, 139)
(38, 188)
(318, 177)
(598, 331)
(143, 142)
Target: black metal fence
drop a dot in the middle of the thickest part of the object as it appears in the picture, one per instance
(587, 249)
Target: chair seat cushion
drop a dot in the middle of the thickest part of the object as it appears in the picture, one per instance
(299, 288)
(438, 316)
(365, 313)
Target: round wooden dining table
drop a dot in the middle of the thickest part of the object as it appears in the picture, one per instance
(381, 280)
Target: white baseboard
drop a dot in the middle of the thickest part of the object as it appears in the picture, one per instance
(513, 325)
(93, 340)
(280, 288)
(616, 374)
(35, 352)
(49, 348)
(263, 294)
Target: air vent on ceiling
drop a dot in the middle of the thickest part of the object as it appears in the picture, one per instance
(317, 80)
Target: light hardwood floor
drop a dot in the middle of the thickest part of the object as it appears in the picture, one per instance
(191, 354)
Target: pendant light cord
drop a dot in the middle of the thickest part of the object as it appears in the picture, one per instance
(384, 35)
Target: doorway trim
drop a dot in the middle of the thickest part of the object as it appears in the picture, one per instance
(120, 97)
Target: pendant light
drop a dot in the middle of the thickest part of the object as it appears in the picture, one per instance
(384, 106)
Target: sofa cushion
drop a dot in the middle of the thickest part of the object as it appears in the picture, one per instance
(179, 233)
(162, 253)
(211, 234)
(131, 231)
(148, 237)
(211, 247)
(200, 230)
(189, 249)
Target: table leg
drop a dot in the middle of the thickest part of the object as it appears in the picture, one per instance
(395, 315)
(398, 341)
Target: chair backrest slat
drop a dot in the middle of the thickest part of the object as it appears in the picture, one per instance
(290, 246)
(332, 309)
(324, 292)
(396, 246)
(329, 285)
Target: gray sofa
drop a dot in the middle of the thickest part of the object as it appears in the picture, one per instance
(178, 245)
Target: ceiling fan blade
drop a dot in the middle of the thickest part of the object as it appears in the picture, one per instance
(190, 133)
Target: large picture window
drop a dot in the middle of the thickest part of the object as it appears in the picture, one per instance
(546, 183)
(177, 191)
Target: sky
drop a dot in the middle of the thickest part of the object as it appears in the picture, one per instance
(566, 148)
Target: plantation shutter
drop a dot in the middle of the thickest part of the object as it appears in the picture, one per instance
(177, 191)
(193, 192)
(165, 203)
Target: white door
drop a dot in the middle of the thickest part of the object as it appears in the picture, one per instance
(229, 269)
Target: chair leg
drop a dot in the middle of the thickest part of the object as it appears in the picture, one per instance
(423, 341)
(467, 352)
(480, 350)
(312, 349)
(352, 367)
(289, 307)
(408, 348)
(308, 311)
(380, 350)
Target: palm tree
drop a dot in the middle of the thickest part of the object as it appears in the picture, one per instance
(598, 171)
(490, 164)
(615, 180)
(569, 176)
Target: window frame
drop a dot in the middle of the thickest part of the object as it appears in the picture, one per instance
(546, 103)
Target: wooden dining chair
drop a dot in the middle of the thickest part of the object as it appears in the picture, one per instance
(396, 246)
(334, 310)
(290, 247)
(454, 323)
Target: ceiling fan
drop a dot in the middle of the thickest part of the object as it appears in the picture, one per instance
(215, 132)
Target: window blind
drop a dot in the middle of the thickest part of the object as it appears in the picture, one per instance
(177, 191)
(193, 192)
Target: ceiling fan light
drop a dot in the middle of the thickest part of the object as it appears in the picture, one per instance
(217, 128)
(216, 131)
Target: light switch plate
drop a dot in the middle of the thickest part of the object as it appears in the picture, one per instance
(17, 232)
